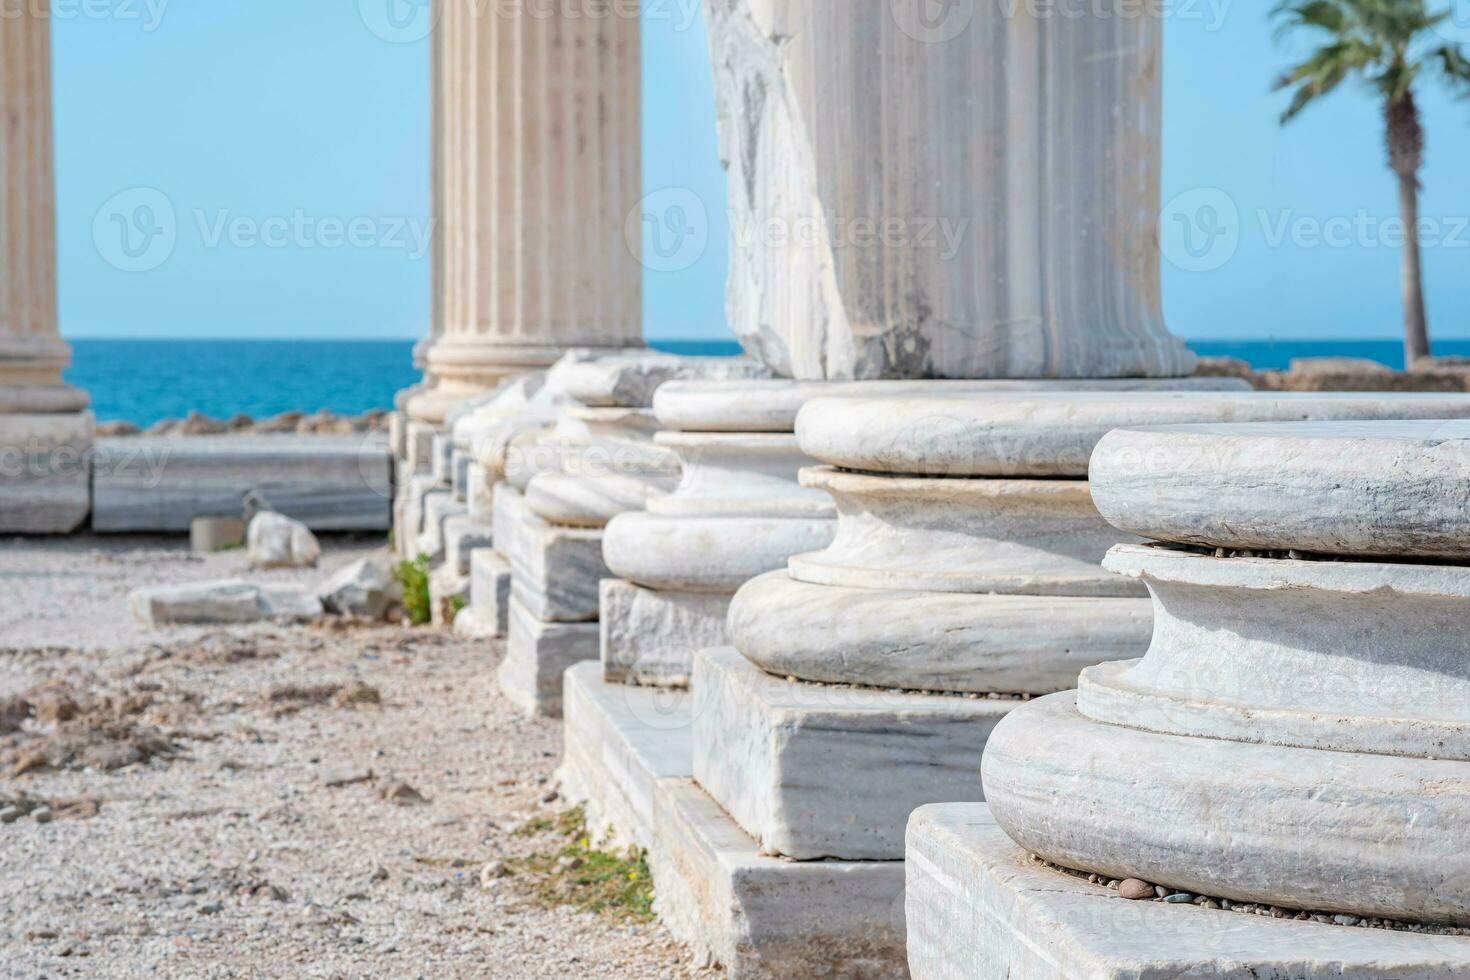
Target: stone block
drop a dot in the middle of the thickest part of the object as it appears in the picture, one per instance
(363, 588)
(45, 472)
(536, 655)
(439, 507)
(620, 741)
(509, 513)
(815, 771)
(329, 483)
(276, 541)
(651, 637)
(211, 534)
(763, 918)
(226, 601)
(489, 608)
(979, 906)
(419, 444)
(463, 535)
(556, 571)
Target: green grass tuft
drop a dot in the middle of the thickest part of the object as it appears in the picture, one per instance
(414, 577)
(578, 874)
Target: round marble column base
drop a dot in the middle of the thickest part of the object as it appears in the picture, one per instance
(931, 641)
(591, 501)
(1354, 656)
(706, 554)
(1367, 835)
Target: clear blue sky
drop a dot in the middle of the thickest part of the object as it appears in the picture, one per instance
(289, 139)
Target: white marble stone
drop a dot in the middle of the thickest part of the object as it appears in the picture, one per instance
(536, 655)
(439, 508)
(509, 514)
(773, 405)
(1019, 537)
(620, 742)
(1389, 488)
(330, 483)
(488, 612)
(226, 601)
(362, 588)
(464, 534)
(1053, 434)
(631, 380)
(1022, 244)
(729, 474)
(276, 541)
(931, 641)
(290, 605)
(650, 637)
(763, 918)
(449, 594)
(1340, 832)
(45, 471)
(815, 771)
(555, 571)
(1277, 651)
(980, 907)
(706, 554)
(592, 501)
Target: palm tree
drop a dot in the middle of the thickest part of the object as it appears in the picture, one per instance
(1389, 43)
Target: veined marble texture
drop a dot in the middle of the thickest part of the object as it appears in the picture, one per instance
(1018, 537)
(1053, 434)
(931, 641)
(1385, 488)
(706, 554)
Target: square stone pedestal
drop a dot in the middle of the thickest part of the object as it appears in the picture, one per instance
(45, 472)
(650, 637)
(979, 906)
(620, 741)
(536, 655)
(439, 508)
(628, 755)
(488, 614)
(555, 571)
(816, 771)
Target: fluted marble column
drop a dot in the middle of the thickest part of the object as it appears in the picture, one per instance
(537, 169)
(45, 432)
(950, 190)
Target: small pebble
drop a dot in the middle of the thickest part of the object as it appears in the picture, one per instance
(1135, 890)
(9, 815)
(1345, 920)
(1179, 898)
(42, 814)
(1161, 892)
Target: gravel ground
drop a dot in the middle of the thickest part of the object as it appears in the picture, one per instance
(223, 800)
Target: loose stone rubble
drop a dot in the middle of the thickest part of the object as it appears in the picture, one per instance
(275, 541)
(1310, 707)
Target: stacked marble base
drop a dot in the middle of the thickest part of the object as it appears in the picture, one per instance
(978, 906)
(628, 757)
(737, 512)
(1295, 736)
(45, 472)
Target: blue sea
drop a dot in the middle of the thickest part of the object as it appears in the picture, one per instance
(142, 381)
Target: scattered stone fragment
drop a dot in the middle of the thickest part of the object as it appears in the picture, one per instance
(210, 534)
(13, 712)
(492, 873)
(291, 605)
(42, 815)
(363, 588)
(349, 778)
(1135, 889)
(1179, 898)
(9, 814)
(401, 793)
(198, 603)
(276, 541)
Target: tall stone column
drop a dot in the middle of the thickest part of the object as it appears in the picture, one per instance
(922, 190)
(45, 431)
(537, 167)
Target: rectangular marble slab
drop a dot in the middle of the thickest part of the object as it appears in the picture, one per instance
(536, 655)
(463, 535)
(328, 482)
(763, 918)
(979, 906)
(488, 614)
(815, 771)
(619, 741)
(650, 637)
(45, 476)
(556, 570)
(439, 507)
